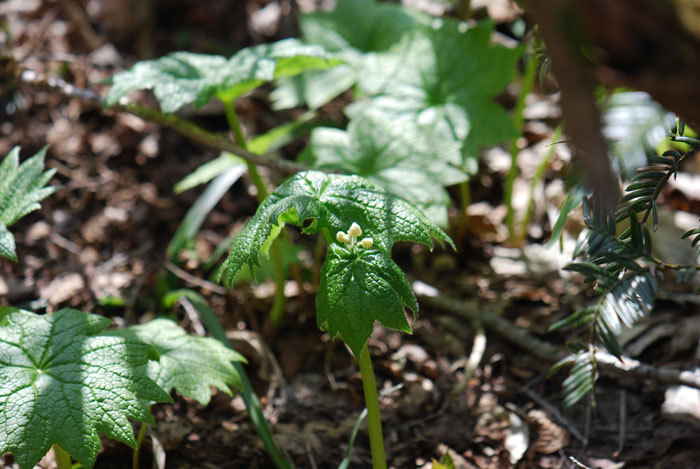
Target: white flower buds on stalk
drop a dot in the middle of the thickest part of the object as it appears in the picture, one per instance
(351, 236)
(355, 230)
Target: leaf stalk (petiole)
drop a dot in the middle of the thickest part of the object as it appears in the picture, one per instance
(280, 299)
(374, 420)
(62, 457)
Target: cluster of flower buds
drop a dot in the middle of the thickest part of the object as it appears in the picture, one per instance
(351, 236)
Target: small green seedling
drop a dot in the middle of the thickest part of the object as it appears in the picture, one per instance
(360, 283)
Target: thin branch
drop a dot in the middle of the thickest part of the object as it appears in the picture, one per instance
(173, 121)
(608, 364)
(194, 280)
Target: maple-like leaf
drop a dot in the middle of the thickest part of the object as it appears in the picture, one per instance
(408, 161)
(358, 287)
(188, 363)
(332, 202)
(352, 31)
(446, 77)
(182, 78)
(61, 382)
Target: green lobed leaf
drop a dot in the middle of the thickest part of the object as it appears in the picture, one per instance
(188, 363)
(182, 78)
(409, 162)
(363, 25)
(333, 202)
(61, 382)
(359, 287)
(446, 76)
(353, 31)
(21, 190)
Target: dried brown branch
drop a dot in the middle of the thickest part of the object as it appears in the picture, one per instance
(607, 364)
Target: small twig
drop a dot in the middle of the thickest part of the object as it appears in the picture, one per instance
(607, 364)
(193, 316)
(472, 362)
(194, 280)
(175, 122)
(578, 463)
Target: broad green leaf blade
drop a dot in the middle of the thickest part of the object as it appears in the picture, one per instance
(412, 163)
(353, 32)
(359, 287)
(21, 190)
(182, 78)
(363, 25)
(446, 77)
(61, 382)
(190, 364)
(7, 244)
(333, 202)
(314, 88)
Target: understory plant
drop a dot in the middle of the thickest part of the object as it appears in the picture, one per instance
(616, 253)
(360, 283)
(64, 377)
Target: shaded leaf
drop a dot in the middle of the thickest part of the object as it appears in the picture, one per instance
(353, 31)
(445, 77)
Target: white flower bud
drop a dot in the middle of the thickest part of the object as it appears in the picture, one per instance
(367, 243)
(340, 237)
(347, 239)
(355, 230)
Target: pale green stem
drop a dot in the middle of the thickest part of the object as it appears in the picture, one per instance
(139, 442)
(235, 125)
(374, 419)
(526, 87)
(63, 460)
(465, 200)
(539, 174)
(275, 250)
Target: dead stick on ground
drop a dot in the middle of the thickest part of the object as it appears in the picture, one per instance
(607, 364)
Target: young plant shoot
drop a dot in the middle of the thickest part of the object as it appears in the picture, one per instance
(360, 283)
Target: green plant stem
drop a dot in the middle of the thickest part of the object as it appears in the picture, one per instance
(526, 87)
(279, 300)
(465, 200)
(235, 125)
(139, 442)
(539, 174)
(374, 419)
(62, 457)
